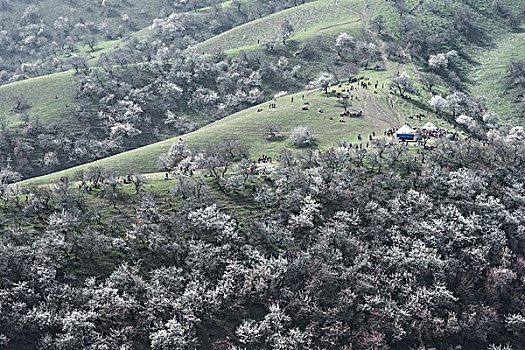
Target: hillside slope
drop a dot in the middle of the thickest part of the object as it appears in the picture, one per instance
(105, 47)
(39, 93)
(308, 20)
(487, 75)
(322, 19)
(317, 23)
(248, 127)
(49, 98)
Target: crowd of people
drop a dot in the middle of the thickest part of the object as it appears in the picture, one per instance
(263, 166)
(421, 135)
(439, 133)
(362, 82)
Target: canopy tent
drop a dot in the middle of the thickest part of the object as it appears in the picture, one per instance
(405, 132)
(429, 126)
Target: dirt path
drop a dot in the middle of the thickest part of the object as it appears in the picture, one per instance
(336, 3)
(322, 30)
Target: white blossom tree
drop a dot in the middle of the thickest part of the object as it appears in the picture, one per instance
(301, 136)
(345, 44)
(178, 151)
(322, 82)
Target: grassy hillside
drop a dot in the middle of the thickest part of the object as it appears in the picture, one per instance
(323, 18)
(308, 20)
(48, 97)
(328, 133)
(487, 75)
(248, 126)
(320, 22)
(39, 94)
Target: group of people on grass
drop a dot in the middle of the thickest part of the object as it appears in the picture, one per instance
(184, 170)
(390, 132)
(264, 159)
(417, 116)
(362, 82)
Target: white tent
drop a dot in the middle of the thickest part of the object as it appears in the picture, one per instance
(405, 130)
(429, 126)
(406, 133)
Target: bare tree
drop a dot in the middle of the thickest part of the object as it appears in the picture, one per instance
(429, 80)
(286, 31)
(272, 131)
(378, 24)
(138, 181)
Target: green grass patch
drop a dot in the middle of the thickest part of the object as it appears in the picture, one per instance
(308, 20)
(48, 98)
(487, 77)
